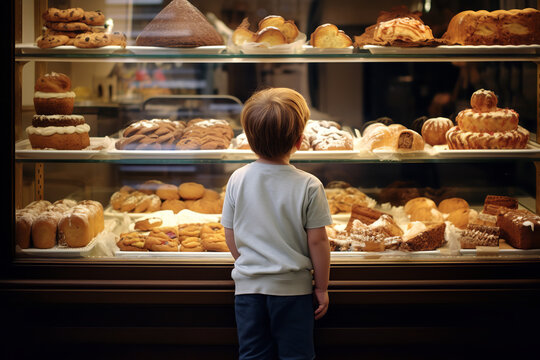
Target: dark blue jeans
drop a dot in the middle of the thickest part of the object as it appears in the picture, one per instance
(271, 327)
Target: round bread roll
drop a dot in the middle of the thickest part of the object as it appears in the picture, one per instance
(419, 202)
(426, 214)
(191, 191)
(167, 192)
(449, 205)
(434, 130)
(175, 205)
(407, 140)
(459, 217)
(377, 136)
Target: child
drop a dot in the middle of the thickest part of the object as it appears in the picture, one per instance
(274, 217)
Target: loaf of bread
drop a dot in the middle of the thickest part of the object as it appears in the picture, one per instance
(76, 227)
(520, 228)
(65, 222)
(44, 229)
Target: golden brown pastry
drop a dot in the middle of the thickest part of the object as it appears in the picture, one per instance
(434, 130)
(147, 224)
(174, 205)
(328, 36)
(499, 27)
(485, 126)
(131, 241)
(451, 204)
(191, 190)
(408, 140)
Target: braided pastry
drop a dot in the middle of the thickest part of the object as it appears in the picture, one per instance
(155, 134)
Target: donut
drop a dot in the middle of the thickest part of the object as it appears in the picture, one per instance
(191, 191)
(434, 130)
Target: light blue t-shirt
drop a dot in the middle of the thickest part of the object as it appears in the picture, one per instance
(269, 207)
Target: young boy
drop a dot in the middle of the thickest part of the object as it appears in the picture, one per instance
(274, 217)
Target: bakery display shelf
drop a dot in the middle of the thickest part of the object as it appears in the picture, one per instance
(30, 52)
(59, 251)
(24, 153)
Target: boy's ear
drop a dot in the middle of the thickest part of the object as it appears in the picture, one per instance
(298, 144)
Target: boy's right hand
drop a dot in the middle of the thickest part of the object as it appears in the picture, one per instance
(322, 299)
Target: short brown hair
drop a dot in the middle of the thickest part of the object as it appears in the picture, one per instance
(274, 120)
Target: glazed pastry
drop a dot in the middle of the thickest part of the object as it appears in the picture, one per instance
(402, 31)
(192, 244)
(162, 239)
(131, 241)
(485, 126)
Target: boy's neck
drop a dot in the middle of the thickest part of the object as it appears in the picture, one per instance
(276, 161)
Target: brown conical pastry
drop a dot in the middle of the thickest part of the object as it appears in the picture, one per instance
(179, 24)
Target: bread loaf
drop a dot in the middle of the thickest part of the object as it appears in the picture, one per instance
(44, 229)
(75, 227)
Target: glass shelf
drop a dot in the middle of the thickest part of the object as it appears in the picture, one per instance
(26, 52)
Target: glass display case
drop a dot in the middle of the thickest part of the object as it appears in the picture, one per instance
(116, 87)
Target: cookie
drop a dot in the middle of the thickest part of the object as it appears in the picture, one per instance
(66, 15)
(51, 41)
(67, 26)
(94, 18)
(167, 192)
(92, 40)
(118, 39)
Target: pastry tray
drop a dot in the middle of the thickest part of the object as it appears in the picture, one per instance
(454, 50)
(23, 150)
(31, 49)
(60, 251)
(154, 50)
(308, 49)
